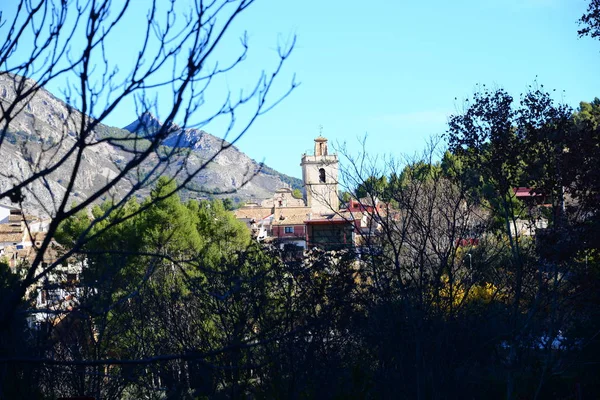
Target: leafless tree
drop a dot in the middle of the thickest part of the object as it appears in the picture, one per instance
(177, 55)
(179, 62)
(427, 257)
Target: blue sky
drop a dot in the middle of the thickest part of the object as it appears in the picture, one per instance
(392, 70)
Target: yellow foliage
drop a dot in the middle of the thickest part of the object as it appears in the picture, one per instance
(458, 295)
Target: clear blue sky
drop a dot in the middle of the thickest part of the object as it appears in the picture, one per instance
(392, 69)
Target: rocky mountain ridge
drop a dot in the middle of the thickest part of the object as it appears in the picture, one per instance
(46, 128)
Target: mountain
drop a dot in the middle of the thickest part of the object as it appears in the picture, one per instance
(228, 169)
(45, 129)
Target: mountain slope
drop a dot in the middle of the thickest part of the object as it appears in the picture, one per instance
(46, 128)
(229, 167)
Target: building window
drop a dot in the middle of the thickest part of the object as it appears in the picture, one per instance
(289, 229)
(322, 175)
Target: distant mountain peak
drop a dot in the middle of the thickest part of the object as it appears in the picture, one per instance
(46, 119)
(145, 124)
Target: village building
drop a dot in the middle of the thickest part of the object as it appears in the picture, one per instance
(283, 198)
(7, 211)
(530, 197)
(316, 220)
(18, 230)
(257, 218)
(288, 226)
(20, 238)
(535, 203)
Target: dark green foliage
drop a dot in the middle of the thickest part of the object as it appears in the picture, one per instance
(372, 186)
(345, 197)
(582, 152)
(16, 339)
(485, 137)
(591, 20)
(416, 314)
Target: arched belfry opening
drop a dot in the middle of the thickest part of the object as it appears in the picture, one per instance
(322, 175)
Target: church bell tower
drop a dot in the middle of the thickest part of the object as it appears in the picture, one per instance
(320, 177)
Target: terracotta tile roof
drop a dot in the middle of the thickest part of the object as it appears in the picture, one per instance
(15, 218)
(352, 215)
(255, 213)
(291, 215)
(11, 237)
(8, 228)
(290, 219)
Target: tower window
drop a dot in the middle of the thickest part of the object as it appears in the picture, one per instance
(322, 175)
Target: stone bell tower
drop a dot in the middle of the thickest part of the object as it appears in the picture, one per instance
(320, 177)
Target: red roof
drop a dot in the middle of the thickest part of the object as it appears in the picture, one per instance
(525, 192)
